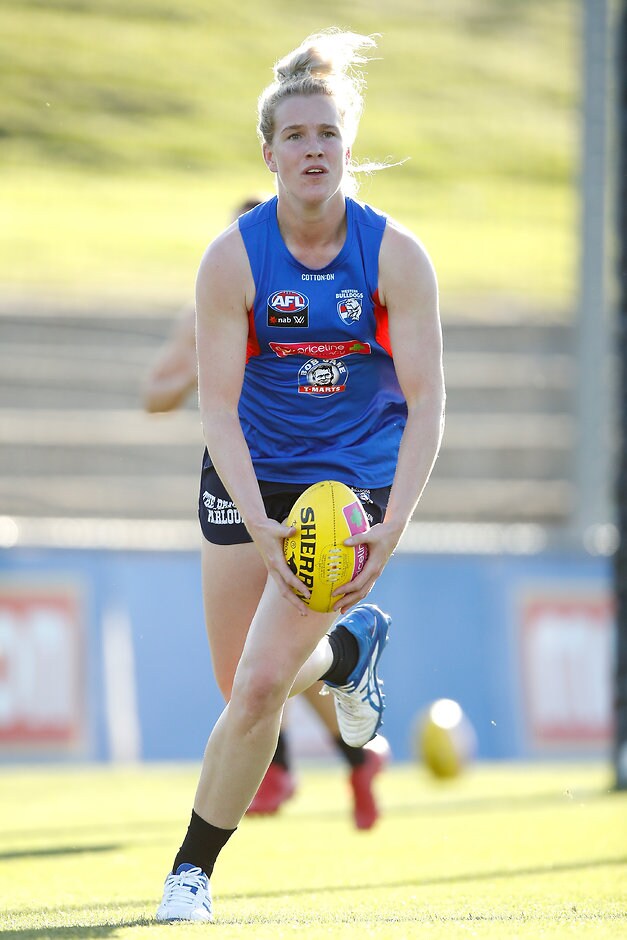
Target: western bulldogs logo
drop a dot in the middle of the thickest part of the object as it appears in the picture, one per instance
(288, 308)
(349, 305)
(322, 377)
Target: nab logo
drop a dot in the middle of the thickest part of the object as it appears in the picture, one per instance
(288, 308)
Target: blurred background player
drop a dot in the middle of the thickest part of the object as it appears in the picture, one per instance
(172, 378)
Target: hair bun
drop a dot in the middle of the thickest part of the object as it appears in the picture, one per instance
(324, 54)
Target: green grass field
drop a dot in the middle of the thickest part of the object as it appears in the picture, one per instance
(505, 851)
(128, 137)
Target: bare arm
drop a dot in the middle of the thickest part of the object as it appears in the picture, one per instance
(224, 294)
(408, 288)
(174, 374)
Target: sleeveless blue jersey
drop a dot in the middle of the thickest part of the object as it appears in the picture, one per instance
(320, 398)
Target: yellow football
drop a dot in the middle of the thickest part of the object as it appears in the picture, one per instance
(324, 516)
(445, 739)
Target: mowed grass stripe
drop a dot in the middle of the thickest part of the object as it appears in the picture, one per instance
(506, 850)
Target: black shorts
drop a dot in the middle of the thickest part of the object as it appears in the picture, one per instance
(222, 524)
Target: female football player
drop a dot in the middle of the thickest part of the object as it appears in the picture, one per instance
(270, 433)
(168, 383)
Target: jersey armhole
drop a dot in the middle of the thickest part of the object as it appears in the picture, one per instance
(252, 344)
(382, 326)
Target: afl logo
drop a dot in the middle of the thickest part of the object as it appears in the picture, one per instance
(288, 308)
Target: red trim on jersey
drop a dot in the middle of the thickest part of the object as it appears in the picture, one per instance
(382, 331)
(252, 345)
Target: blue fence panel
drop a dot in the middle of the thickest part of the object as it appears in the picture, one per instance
(456, 633)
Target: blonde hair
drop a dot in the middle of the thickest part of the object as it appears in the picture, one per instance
(326, 63)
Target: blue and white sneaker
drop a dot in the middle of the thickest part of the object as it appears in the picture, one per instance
(359, 704)
(186, 895)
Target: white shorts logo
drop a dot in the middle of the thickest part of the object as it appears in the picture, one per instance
(220, 511)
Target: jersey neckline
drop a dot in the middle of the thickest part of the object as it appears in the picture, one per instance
(335, 262)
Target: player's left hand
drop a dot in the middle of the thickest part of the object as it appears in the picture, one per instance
(381, 540)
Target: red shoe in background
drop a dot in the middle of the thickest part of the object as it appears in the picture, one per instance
(276, 788)
(365, 810)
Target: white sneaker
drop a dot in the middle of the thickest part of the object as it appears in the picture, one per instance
(186, 895)
(359, 704)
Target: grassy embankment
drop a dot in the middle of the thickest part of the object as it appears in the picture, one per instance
(128, 136)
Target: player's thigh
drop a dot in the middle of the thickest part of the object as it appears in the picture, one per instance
(281, 639)
(233, 579)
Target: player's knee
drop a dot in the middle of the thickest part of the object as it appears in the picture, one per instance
(259, 692)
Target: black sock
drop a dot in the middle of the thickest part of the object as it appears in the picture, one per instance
(345, 655)
(202, 844)
(355, 756)
(281, 756)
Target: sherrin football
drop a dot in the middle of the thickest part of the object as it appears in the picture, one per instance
(445, 739)
(324, 516)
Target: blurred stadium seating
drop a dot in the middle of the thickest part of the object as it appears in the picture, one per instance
(76, 444)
